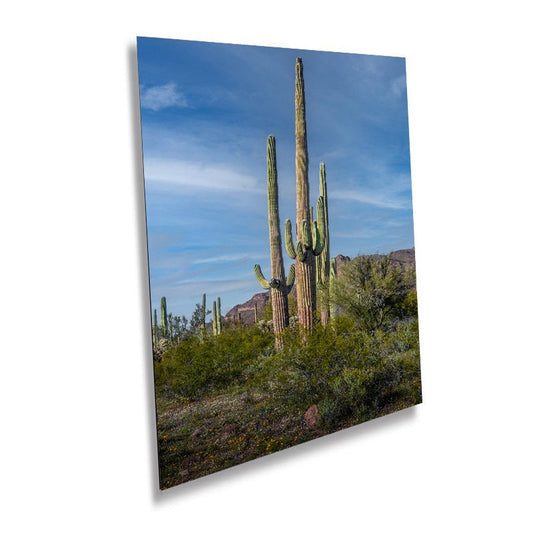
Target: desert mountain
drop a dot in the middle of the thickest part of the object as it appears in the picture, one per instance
(402, 258)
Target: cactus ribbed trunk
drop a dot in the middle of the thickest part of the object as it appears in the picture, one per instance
(164, 316)
(332, 280)
(219, 317)
(202, 323)
(323, 264)
(305, 270)
(278, 286)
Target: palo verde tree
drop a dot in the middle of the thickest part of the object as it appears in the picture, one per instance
(278, 285)
(371, 290)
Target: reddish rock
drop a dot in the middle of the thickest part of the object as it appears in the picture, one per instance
(247, 309)
(311, 416)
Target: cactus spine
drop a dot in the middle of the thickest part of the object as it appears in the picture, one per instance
(322, 261)
(164, 316)
(279, 286)
(310, 235)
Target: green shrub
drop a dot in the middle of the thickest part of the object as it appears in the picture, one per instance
(201, 365)
(371, 290)
(346, 371)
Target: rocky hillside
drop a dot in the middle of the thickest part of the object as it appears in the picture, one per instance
(402, 258)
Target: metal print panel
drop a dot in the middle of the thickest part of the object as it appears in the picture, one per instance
(281, 250)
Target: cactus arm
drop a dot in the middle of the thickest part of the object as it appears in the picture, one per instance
(319, 240)
(290, 278)
(315, 236)
(289, 246)
(333, 268)
(260, 278)
(214, 318)
(300, 253)
(306, 235)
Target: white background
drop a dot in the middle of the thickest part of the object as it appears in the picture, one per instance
(78, 445)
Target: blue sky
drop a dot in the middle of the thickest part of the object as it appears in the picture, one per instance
(206, 112)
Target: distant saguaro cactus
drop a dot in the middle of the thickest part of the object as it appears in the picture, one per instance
(154, 327)
(217, 320)
(279, 286)
(310, 235)
(219, 317)
(164, 316)
(202, 322)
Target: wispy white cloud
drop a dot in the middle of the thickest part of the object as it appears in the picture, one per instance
(228, 258)
(194, 175)
(398, 86)
(378, 198)
(162, 96)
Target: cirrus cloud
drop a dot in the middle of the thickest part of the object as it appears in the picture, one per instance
(162, 96)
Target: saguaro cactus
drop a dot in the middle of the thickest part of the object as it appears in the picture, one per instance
(202, 323)
(164, 316)
(278, 285)
(310, 235)
(217, 320)
(332, 280)
(154, 327)
(322, 260)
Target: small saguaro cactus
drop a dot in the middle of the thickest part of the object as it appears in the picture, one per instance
(219, 317)
(255, 312)
(164, 316)
(217, 320)
(278, 285)
(310, 235)
(202, 322)
(154, 327)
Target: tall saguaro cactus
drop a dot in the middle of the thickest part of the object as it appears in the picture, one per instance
(164, 316)
(278, 285)
(310, 235)
(322, 260)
